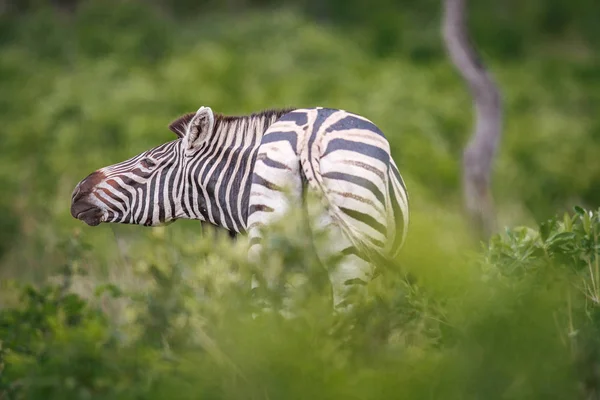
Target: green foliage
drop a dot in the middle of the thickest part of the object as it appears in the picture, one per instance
(510, 29)
(524, 325)
(122, 312)
(40, 354)
(83, 90)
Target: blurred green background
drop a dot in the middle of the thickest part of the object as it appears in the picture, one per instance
(87, 83)
(84, 84)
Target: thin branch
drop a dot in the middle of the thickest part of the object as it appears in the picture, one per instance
(480, 151)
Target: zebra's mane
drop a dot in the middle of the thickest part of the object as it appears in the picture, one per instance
(261, 118)
(222, 121)
(267, 114)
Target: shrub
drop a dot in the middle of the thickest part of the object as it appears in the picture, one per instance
(525, 325)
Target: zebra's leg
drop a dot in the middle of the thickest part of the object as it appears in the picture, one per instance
(276, 187)
(348, 270)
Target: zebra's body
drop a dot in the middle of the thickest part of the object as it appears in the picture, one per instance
(243, 173)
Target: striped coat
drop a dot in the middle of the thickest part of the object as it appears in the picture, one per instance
(242, 173)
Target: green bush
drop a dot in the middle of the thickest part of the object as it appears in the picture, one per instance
(524, 324)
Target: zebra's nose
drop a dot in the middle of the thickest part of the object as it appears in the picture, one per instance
(82, 206)
(87, 185)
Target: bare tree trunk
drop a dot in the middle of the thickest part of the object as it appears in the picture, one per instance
(480, 151)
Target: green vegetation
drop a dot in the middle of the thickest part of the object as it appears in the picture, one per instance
(521, 321)
(124, 312)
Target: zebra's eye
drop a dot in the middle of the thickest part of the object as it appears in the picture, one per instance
(148, 163)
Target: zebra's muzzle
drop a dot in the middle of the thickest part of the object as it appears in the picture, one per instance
(81, 205)
(87, 213)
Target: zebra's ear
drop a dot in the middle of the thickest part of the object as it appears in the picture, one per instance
(200, 127)
(180, 125)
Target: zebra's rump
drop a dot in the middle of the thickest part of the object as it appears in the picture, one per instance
(347, 159)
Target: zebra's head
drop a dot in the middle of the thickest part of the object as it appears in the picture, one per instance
(151, 188)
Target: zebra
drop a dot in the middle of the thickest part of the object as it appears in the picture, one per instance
(243, 173)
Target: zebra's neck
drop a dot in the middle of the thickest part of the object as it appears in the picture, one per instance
(226, 166)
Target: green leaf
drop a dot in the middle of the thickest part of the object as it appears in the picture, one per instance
(579, 210)
(112, 289)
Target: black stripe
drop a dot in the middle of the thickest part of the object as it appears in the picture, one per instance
(352, 250)
(168, 157)
(194, 186)
(229, 184)
(197, 185)
(141, 173)
(110, 195)
(150, 197)
(243, 195)
(269, 162)
(186, 193)
(352, 122)
(398, 217)
(357, 147)
(290, 137)
(267, 122)
(259, 180)
(139, 205)
(130, 200)
(300, 118)
(209, 182)
(162, 177)
(202, 207)
(134, 204)
(259, 207)
(233, 183)
(126, 217)
(164, 149)
(128, 205)
(104, 201)
(110, 215)
(171, 185)
(398, 177)
(367, 219)
(357, 180)
(222, 171)
(128, 195)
